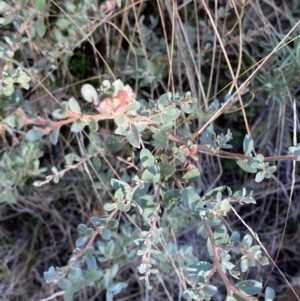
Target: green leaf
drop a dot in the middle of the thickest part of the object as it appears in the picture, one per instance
(50, 275)
(62, 23)
(78, 126)
(40, 5)
(245, 166)
(113, 224)
(161, 140)
(106, 234)
(269, 294)
(295, 150)
(89, 251)
(118, 85)
(96, 163)
(81, 228)
(247, 241)
(209, 290)
(133, 136)
(191, 176)
(191, 199)
(68, 296)
(92, 275)
(263, 260)
(220, 235)
(54, 136)
(74, 106)
(93, 126)
(165, 99)
(249, 287)
(89, 93)
(167, 170)
(248, 145)
(33, 135)
(11, 121)
(40, 28)
(132, 107)
(16, 98)
(95, 221)
(116, 184)
(81, 241)
(60, 114)
(235, 236)
(150, 174)
(91, 262)
(120, 120)
(259, 177)
(171, 114)
(202, 268)
(110, 206)
(147, 159)
(8, 197)
(8, 90)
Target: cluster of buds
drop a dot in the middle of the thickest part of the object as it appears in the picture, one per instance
(115, 105)
(190, 151)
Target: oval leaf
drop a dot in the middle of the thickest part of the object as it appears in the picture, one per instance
(249, 287)
(74, 106)
(78, 126)
(89, 93)
(147, 159)
(133, 136)
(40, 28)
(54, 136)
(167, 170)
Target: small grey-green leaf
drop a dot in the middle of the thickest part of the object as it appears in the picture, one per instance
(245, 166)
(191, 199)
(248, 145)
(110, 206)
(259, 176)
(74, 106)
(33, 135)
(63, 23)
(81, 228)
(147, 159)
(68, 296)
(171, 114)
(249, 287)
(120, 120)
(78, 126)
(54, 136)
(89, 93)
(40, 5)
(40, 28)
(167, 170)
(269, 294)
(164, 99)
(132, 107)
(59, 114)
(93, 126)
(133, 136)
(191, 176)
(91, 262)
(81, 241)
(161, 140)
(17, 97)
(11, 121)
(113, 224)
(106, 234)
